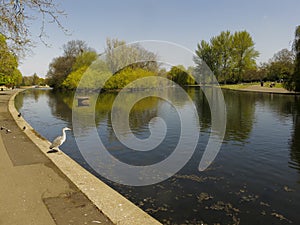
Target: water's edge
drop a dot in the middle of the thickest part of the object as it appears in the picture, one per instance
(115, 206)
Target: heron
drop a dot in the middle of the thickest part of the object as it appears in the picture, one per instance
(58, 141)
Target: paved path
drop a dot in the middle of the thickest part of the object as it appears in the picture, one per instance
(33, 191)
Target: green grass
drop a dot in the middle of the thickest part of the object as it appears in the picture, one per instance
(246, 85)
(238, 86)
(277, 85)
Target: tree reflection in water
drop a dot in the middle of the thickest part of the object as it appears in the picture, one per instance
(251, 179)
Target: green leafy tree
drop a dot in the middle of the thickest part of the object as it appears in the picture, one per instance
(281, 66)
(296, 48)
(65, 72)
(72, 81)
(36, 79)
(127, 75)
(206, 54)
(222, 46)
(95, 76)
(17, 77)
(62, 66)
(27, 80)
(258, 74)
(292, 83)
(81, 64)
(33, 80)
(244, 54)
(84, 60)
(180, 75)
(228, 56)
(9, 73)
(59, 69)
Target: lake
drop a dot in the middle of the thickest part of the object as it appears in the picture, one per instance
(255, 178)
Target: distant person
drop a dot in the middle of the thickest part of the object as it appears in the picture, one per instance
(261, 83)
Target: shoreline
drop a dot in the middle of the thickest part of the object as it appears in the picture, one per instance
(259, 89)
(111, 203)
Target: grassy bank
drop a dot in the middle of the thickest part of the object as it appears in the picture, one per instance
(247, 85)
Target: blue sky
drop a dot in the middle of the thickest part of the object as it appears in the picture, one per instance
(271, 24)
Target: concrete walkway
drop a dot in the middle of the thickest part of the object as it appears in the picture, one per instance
(33, 191)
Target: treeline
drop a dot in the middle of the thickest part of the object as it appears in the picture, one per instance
(232, 59)
(123, 63)
(33, 80)
(10, 76)
(230, 56)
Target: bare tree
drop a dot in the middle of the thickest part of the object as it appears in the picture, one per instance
(120, 55)
(15, 17)
(75, 48)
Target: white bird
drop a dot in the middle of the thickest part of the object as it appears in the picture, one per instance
(8, 131)
(59, 140)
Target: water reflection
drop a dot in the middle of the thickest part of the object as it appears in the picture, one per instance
(240, 111)
(295, 140)
(240, 106)
(59, 103)
(254, 178)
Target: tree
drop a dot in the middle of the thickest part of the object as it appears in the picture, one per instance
(120, 56)
(59, 69)
(75, 48)
(128, 75)
(244, 54)
(228, 56)
(15, 18)
(179, 75)
(281, 66)
(27, 80)
(9, 73)
(84, 59)
(33, 80)
(293, 82)
(222, 45)
(72, 81)
(62, 66)
(296, 48)
(205, 53)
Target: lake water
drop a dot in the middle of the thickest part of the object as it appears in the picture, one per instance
(255, 178)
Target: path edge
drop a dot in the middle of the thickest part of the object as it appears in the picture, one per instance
(112, 204)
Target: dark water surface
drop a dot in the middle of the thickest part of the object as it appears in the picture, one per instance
(255, 178)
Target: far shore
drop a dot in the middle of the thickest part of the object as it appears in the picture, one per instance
(258, 88)
(251, 87)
